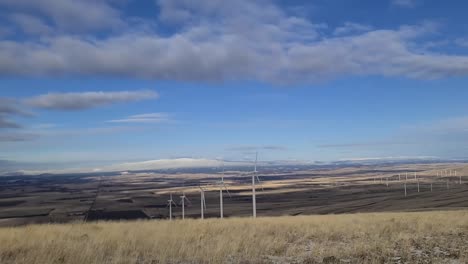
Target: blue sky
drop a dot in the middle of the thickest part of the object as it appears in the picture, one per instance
(88, 83)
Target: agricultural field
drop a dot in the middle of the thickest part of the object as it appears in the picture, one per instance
(282, 192)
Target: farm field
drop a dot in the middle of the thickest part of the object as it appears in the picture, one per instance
(283, 191)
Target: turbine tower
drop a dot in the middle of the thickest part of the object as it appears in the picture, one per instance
(254, 197)
(182, 202)
(222, 186)
(418, 183)
(203, 202)
(170, 202)
(405, 189)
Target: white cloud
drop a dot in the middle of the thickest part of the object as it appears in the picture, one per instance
(462, 42)
(234, 40)
(144, 118)
(70, 15)
(10, 106)
(86, 100)
(8, 109)
(16, 137)
(30, 24)
(350, 27)
(405, 3)
(5, 123)
(252, 149)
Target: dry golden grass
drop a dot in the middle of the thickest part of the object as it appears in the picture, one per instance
(429, 237)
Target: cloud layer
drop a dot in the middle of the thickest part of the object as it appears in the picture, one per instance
(66, 15)
(8, 167)
(86, 100)
(252, 149)
(8, 109)
(144, 118)
(217, 40)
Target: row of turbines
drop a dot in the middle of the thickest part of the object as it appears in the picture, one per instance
(222, 187)
(447, 174)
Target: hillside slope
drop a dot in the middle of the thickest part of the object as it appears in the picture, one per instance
(440, 237)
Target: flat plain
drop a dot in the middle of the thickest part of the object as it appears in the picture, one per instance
(331, 214)
(284, 191)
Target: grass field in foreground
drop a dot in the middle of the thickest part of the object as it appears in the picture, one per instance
(426, 237)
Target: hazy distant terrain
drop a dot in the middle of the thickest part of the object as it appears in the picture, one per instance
(287, 190)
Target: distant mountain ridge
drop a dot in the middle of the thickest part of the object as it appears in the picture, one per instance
(190, 165)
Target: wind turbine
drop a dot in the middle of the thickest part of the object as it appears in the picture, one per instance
(254, 197)
(406, 180)
(182, 202)
(222, 185)
(418, 183)
(170, 202)
(203, 202)
(405, 189)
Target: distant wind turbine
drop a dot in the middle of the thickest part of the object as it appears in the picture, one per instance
(405, 189)
(183, 198)
(203, 202)
(222, 186)
(254, 197)
(418, 183)
(170, 202)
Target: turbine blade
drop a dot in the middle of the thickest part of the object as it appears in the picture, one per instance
(259, 182)
(225, 187)
(222, 175)
(188, 201)
(256, 159)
